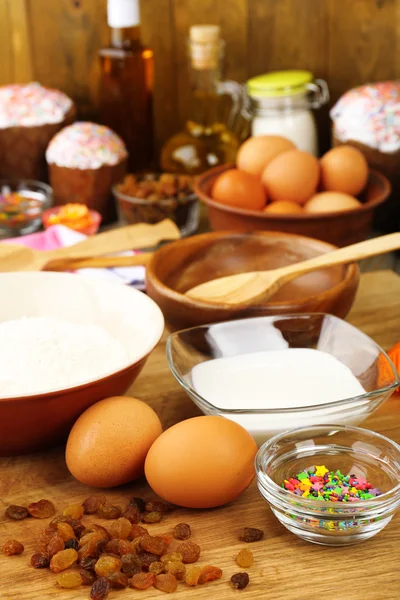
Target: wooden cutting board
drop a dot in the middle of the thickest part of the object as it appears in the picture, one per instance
(285, 567)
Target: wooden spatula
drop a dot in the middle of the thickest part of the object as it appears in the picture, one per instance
(99, 262)
(245, 287)
(20, 258)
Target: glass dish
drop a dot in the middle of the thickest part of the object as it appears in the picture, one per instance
(22, 203)
(183, 210)
(367, 361)
(351, 450)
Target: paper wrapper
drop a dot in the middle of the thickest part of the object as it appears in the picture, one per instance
(22, 149)
(88, 186)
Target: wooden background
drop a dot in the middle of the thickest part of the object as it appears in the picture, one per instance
(347, 42)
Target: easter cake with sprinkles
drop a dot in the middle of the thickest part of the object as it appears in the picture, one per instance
(85, 160)
(30, 116)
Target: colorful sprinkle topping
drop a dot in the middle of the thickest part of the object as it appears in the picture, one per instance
(318, 483)
(370, 115)
(31, 105)
(85, 146)
(74, 216)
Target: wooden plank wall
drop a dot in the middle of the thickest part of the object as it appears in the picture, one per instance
(347, 42)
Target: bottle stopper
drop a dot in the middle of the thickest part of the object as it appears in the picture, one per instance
(205, 46)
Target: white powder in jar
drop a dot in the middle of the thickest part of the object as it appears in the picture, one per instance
(44, 354)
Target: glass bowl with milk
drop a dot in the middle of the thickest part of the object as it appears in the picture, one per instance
(271, 374)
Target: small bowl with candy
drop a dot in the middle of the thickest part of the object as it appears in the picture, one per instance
(75, 216)
(331, 484)
(153, 197)
(22, 203)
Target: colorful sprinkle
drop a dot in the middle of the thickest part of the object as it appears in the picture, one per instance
(370, 115)
(85, 145)
(318, 483)
(31, 105)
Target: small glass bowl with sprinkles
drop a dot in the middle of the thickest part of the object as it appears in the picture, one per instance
(22, 203)
(331, 485)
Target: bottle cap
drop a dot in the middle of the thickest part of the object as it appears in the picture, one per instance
(123, 13)
(205, 46)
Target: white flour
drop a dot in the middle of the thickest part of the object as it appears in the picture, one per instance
(43, 354)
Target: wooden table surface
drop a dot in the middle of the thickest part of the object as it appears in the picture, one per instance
(285, 567)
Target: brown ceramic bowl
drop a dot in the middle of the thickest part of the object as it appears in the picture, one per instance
(32, 422)
(339, 228)
(181, 265)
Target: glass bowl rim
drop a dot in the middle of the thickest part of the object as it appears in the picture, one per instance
(275, 489)
(273, 411)
(46, 188)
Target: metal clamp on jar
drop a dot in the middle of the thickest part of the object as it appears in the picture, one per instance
(281, 103)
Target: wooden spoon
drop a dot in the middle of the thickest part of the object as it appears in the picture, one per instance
(244, 287)
(99, 262)
(142, 235)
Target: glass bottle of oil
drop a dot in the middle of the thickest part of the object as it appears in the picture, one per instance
(207, 139)
(126, 84)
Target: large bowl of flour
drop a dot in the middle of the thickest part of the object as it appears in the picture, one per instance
(65, 343)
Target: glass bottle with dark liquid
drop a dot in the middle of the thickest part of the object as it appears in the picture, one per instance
(208, 138)
(127, 73)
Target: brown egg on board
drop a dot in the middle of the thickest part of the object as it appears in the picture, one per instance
(236, 188)
(327, 202)
(257, 152)
(291, 177)
(344, 169)
(202, 462)
(283, 208)
(108, 444)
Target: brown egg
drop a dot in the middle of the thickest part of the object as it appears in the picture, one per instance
(283, 208)
(201, 462)
(108, 444)
(291, 177)
(236, 188)
(344, 169)
(326, 202)
(257, 152)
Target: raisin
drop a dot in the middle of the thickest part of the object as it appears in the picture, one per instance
(91, 538)
(142, 581)
(240, 580)
(190, 552)
(40, 561)
(93, 503)
(69, 579)
(155, 545)
(87, 563)
(131, 564)
(112, 546)
(17, 512)
(78, 528)
(250, 534)
(182, 531)
(59, 519)
(138, 503)
(66, 532)
(121, 528)
(63, 560)
(172, 556)
(108, 511)
(245, 558)
(177, 569)
(100, 589)
(86, 551)
(95, 528)
(156, 567)
(106, 565)
(167, 538)
(155, 506)
(43, 538)
(75, 511)
(118, 581)
(72, 543)
(12, 547)
(88, 577)
(42, 509)
(192, 576)
(209, 573)
(137, 531)
(132, 514)
(166, 583)
(125, 547)
(152, 517)
(147, 558)
(100, 547)
(55, 545)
